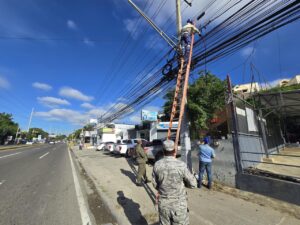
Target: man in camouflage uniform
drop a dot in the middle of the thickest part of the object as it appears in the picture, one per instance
(141, 160)
(169, 177)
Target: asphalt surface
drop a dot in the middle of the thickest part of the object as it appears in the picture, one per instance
(37, 187)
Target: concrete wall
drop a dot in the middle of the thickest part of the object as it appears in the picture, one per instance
(279, 189)
(251, 143)
(223, 166)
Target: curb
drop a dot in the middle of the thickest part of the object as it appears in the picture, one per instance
(106, 200)
(15, 147)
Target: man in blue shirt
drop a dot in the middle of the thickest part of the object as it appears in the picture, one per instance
(206, 154)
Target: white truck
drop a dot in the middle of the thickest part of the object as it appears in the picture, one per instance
(127, 147)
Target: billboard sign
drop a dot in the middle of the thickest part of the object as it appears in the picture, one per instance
(149, 115)
(165, 125)
(106, 130)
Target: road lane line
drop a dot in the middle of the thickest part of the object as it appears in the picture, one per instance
(10, 155)
(44, 155)
(2, 182)
(85, 218)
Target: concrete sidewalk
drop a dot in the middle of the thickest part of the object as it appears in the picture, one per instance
(114, 178)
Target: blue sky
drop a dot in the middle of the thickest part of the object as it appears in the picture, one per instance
(84, 53)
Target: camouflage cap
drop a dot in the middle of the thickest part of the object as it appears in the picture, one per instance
(168, 145)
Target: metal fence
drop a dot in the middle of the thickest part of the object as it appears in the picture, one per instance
(259, 142)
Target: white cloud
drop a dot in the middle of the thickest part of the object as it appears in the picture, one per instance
(88, 42)
(71, 116)
(135, 119)
(52, 102)
(74, 94)
(67, 115)
(87, 105)
(97, 112)
(42, 86)
(130, 25)
(72, 25)
(152, 108)
(246, 52)
(4, 84)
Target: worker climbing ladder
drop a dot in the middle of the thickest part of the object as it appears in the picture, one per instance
(180, 95)
(179, 101)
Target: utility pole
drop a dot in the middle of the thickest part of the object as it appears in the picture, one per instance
(178, 19)
(30, 118)
(235, 137)
(16, 140)
(181, 85)
(184, 128)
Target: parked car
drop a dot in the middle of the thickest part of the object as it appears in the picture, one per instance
(131, 147)
(100, 146)
(29, 143)
(121, 147)
(127, 147)
(51, 142)
(109, 146)
(154, 149)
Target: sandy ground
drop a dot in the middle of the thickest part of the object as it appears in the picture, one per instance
(284, 170)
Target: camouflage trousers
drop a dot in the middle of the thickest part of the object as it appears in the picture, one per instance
(141, 173)
(173, 212)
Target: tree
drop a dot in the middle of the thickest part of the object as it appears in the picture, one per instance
(35, 132)
(205, 97)
(60, 137)
(89, 127)
(7, 127)
(75, 134)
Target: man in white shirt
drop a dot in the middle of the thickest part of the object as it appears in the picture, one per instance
(186, 33)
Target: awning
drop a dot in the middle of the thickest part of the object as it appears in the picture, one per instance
(286, 103)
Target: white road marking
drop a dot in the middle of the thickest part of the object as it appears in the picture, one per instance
(9, 155)
(85, 218)
(44, 155)
(2, 182)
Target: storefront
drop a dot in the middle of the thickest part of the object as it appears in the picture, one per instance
(155, 130)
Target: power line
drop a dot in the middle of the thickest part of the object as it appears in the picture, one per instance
(251, 22)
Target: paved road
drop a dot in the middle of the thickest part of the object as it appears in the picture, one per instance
(37, 187)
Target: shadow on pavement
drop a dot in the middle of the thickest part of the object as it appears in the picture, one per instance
(146, 186)
(129, 174)
(131, 209)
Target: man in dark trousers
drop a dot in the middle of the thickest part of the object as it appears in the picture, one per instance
(169, 178)
(141, 160)
(206, 154)
(186, 33)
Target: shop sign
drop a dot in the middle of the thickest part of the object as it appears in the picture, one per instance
(149, 115)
